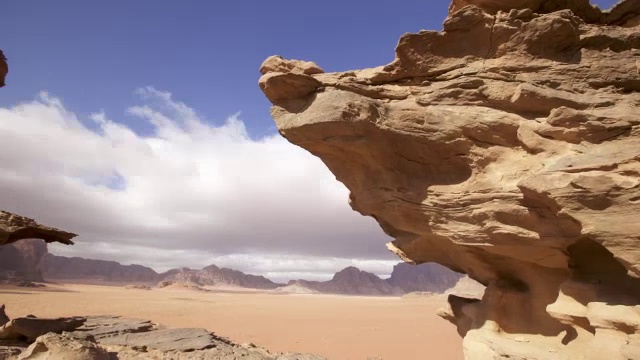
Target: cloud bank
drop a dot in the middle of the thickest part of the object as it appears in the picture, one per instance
(189, 194)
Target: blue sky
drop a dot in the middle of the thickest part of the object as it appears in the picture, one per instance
(94, 54)
(145, 92)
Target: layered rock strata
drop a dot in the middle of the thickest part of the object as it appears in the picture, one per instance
(506, 147)
(15, 227)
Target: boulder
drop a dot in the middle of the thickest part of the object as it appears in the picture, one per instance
(61, 346)
(29, 328)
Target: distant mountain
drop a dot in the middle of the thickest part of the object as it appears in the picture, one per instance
(214, 276)
(55, 267)
(351, 281)
(405, 278)
(430, 277)
(20, 261)
(29, 260)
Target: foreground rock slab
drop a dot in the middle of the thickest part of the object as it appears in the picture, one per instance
(30, 328)
(112, 337)
(506, 147)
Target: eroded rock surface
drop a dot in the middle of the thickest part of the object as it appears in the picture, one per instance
(15, 227)
(506, 147)
(112, 337)
(29, 328)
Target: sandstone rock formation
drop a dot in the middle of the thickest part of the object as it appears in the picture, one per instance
(3, 316)
(111, 337)
(15, 227)
(468, 288)
(506, 147)
(29, 328)
(4, 68)
(62, 346)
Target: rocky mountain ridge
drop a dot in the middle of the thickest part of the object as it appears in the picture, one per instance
(30, 259)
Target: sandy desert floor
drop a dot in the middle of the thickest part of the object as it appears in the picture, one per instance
(338, 327)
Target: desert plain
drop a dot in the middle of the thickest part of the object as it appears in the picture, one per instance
(338, 327)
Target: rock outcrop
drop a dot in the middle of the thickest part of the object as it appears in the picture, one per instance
(29, 328)
(15, 227)
(112, 337)
(506, 147)
(64, 268)
(468, 288)
(4, 68)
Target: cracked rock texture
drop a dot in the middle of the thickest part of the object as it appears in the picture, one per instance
(112, 338)
(15, 227)
(506, 147)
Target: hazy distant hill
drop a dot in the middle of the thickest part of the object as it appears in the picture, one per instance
(55, 267)
(21, 259)
(351, 281)
(429, 277)
(405, 278)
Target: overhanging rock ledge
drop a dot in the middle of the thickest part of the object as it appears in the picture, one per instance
(507, 147)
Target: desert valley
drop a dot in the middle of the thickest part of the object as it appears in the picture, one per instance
(246, 308)
(499, 156)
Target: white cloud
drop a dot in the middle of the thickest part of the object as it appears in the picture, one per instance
(190, 194)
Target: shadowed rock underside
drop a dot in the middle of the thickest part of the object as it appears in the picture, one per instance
(15, 227)
(506, 147)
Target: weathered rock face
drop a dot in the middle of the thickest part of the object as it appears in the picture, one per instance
(506, 147)
(468, 288)
(15, 227)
